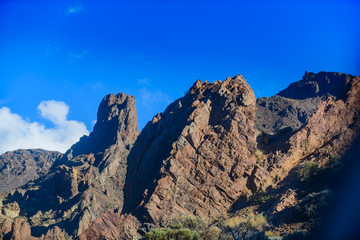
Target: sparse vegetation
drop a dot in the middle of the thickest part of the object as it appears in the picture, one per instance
(307, 171)
(193, 223)
(272, 234)
(211, 233)
(173, 233)
(314, 204)
(184, 228)
(260, 198)
(298, 235)
(242, 227)
(259, 155)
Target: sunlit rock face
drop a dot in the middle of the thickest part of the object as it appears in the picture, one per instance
(88, 180)
(197, 156)
(206, 155)
(21, 166)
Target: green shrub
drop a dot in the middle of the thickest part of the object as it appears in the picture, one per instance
(193, 223)
(172, 233)
(314, 204)
(259, 155)
(274, 238)
(271, 234)
(250, 222)
(307, 171)
(184, 228)
(298, 235)
(260, 197)
(211, 233)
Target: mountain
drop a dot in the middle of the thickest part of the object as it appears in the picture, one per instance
(84, 183)
(20, 166)
(293, 106)
(240, 164)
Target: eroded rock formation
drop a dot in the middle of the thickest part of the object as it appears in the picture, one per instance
(20, 166)
(207, 154)
(88, 180)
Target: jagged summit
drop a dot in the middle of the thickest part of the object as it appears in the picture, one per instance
(20, 166)
(194, 131)
(88, 179)
(292, 107)
(209, 154)
(116, 122)
(322, 84)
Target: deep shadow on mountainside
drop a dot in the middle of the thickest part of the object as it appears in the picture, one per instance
(23, 165)
(216, 164)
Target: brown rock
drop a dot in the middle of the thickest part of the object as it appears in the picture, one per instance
(195, 158)
(11, 210)
(54, 233)
(184, 163)
(5, 228)
(113, 225)
(21, 166)
(293, 106)
(288, 199)
(20, 230)
(330, 131)
(89, 179)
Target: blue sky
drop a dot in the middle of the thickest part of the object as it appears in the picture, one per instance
(76, 52)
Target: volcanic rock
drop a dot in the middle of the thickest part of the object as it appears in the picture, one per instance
(196, 157)
(293, 106)
(21, 166)
(205, 155)
(329, 132)
(88, 180)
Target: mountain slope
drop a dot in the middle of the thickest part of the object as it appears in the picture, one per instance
(189, 180)
(20, 166)
(88, 180)
(292, 106)
(207, 155)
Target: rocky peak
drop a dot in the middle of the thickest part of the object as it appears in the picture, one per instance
(200, 157)
(322, 84)
(292, 107)
(23, 165)
(89, 179)
(200, 148)
(116, 122)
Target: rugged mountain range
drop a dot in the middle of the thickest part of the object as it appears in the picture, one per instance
(216, 154)
(20, 166)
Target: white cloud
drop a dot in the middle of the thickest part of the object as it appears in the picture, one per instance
(150, 97)
(143, 81)
(19, 133)
(4, 101)
(77, 56)
(71, 10)
(54, 111)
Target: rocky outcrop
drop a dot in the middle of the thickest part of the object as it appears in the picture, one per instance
(292, 107)
(113, 225)
(21, 166)
(15, 229)
(206, 155)
(329, 133)
(197, 156)
(88, 180)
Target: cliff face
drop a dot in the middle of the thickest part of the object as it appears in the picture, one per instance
(293, 106)
(197, 156)
(208, 154)
(329, 131)
(87, 181)
(20, 166)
